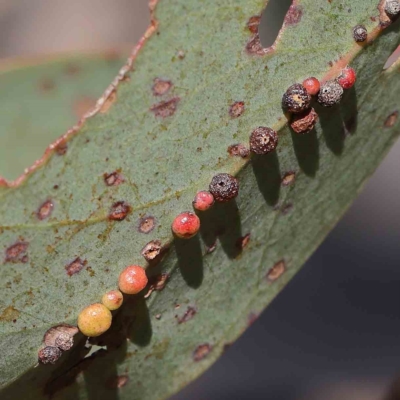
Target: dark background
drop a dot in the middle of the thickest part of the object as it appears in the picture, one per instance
(334, 331)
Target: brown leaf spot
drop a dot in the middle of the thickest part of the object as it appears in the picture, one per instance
(236, 109)
(146, 224)
(157, 283)
(151, 250)
(113, 179)
(108, 102)
(72, 69)
(391, 119)
(276, 271)
(166, 108)
(61, 148)
(188, 315)
(293, 15)
(181, 54)
(82, 105)
(243, 241)
(119, 211)
(9, 314)
(253, 23)
(201, 352)
(239, 150)
(45, 210)
(17, 253)
(161, 86)
(254, 46)
(117, 382)
(75, 266)
(46, 85)
(288, 178)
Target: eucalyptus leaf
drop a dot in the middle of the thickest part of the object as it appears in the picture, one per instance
(165, 133)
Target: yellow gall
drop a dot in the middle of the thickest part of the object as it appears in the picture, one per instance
(94, 320)
(112, 299)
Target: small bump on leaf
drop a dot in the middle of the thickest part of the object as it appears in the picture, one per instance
(201, 352)
(17, 253)
(276, 271)
(166, 108)
(119, 211)
(75, 266)
(45, 210)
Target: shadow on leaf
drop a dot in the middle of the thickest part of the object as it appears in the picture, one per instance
(267, 172)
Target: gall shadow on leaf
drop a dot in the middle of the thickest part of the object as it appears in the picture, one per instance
(222, 222)
(306, 149)
(333, 128)
(349, 111)
(190, 260)
(140, 330)
(46, 380)
(268, 175)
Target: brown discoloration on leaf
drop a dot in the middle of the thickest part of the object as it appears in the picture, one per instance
(75, 266)
(161, 86)
(253, 23)
(293, 15)
(46, 85)
(288, 178)
(61, 148)
(72, 69)
(108, 102)
(255, 47)
(276, 271)
(391, 119)
(157, 283)
(181, 54)
(117, 382)
(201, 352)
(239, 150)
(17, 253)
(151, 250)
(187, 316)
(146, 224)
(114, 178)
(165, 109)
(82, 105)
(119, 211)
(9, 314)
(236, 109)
(243, 241)
(45, 210)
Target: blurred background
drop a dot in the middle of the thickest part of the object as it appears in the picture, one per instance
(334, 332)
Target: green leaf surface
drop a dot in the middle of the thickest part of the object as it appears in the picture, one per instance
(43, 97)
(166, 148)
